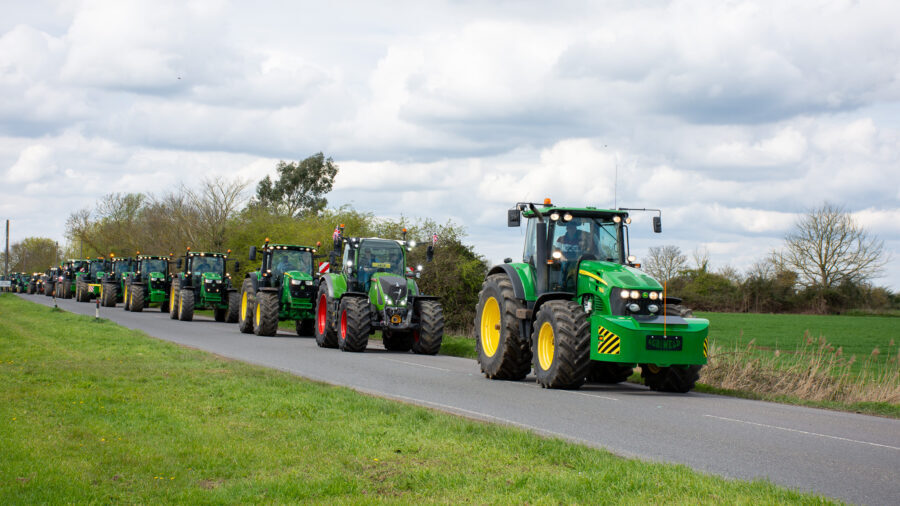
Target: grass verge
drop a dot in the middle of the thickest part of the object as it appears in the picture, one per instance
(93, 412)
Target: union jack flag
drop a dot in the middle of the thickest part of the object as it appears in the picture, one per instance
(336, 234)
(434, 239)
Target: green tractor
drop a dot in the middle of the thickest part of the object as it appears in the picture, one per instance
(374, 290)
(35, 283)
(72, 269)
(51, 279)
(284, 288)
(112, 285)
(577, 308)
(149, 284)
(88, 285)
(204, 284)
(20, 282)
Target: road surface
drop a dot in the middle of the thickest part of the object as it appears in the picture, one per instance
(855, 458)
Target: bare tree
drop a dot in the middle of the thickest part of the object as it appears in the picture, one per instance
(701, 258)
(665, 262)
(216, 202)
(828, 248)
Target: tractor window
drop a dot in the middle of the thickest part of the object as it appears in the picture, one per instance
(581, 238)
(200, 265)
(379, 256)
(528, 256)
(290, 260)
(154, 265)
(97, 267)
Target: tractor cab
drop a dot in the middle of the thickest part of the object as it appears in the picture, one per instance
(96, 270)
(119, 268)
(206, 271)
(151, 267)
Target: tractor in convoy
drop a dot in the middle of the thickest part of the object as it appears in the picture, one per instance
(50, 280)
(283, 289)
(203, 284)
(374, 290)
(112, 286)
(72, 269)
(35, 283)
(148, 284)
(88, 284)
(578, 308)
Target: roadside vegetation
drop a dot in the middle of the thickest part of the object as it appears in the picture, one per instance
(94, 412)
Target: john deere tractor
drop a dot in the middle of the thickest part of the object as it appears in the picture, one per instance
(112, 286)
(72, 269)
(282, 289)
(204, 284)
(373, 290)
(149, 284)
(35, 283)
(88, 285)
(577, 308)
(51, 279)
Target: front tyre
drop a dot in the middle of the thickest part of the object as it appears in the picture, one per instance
(502, 353)
(186, 305)
(135, 298)
(173, 299)
(265, 314)
(245, 314)
(355, 322)
(609, 373)
(326, 334)
(427, 341)
(562, 338)
(234, 306)
(676, 378)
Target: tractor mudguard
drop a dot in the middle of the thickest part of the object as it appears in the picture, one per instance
(267, 289)
(414, 298)
(254, 281)
(355, 294)
(672, 300)
(513, 275)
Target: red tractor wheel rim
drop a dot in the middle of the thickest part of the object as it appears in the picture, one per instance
(415, 336)
(321, 314)
(344, 324)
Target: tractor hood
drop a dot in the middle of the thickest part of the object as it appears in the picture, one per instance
(302, 276)
(392, 286)
(211, 276)
(620, 275)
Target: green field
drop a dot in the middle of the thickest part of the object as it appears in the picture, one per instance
(94, 412)
(857, 335)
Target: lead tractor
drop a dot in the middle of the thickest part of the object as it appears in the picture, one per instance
(204, 284)
(577, 308)
(148, 285)
(374, 290)
(283, 289)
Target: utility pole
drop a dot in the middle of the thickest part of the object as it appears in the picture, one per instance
(6, 267)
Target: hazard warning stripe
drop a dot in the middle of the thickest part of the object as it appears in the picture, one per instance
(706, 347)
(609, 342)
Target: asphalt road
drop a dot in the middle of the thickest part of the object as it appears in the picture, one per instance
(851, 457)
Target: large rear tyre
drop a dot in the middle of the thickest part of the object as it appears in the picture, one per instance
(136, 298)
(265, 314)
(234, 306)
(48, 288)
(676, 378)
(355, 323)
(66, 289)
(186, 305)
(108, 294)
(326, 334)
(305, 327)
(220, 313)
(173, 299)
(609, 373)
(397, 340)
(427, 341)
(502, 353)
(245, 314)
(562, 338)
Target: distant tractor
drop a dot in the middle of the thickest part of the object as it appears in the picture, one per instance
(88, 284)
(72, 269)
(374, 290)
(51, 279)
(204, 284)
(148, 285)
(283, 289)
(112, 286)
(577, 308)
(35, 283)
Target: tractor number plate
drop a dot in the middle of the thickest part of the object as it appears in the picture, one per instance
(664, 343)
(396, 319)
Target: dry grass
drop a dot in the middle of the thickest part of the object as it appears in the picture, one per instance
(815, 371)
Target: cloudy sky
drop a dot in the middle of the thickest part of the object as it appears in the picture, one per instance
(732, 117)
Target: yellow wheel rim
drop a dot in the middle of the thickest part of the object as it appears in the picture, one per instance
(652, 368)
(490, 327)
(244, 306)
(180, 306)
(125, 297)
(546, 346)
(258, 315)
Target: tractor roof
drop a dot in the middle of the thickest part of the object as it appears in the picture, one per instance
(575, 211)
(206, 254)
(291, 247)
(152, 257)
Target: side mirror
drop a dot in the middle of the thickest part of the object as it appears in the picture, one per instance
(252, 252)
(657, 224)
(513, 218)
(237, 266)
(178, 264)
(429, 253)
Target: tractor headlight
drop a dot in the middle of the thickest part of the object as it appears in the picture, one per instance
(557, 254)
(296, 282)
(554, 216)
(419, 268)
(624, 294)
(349, 263)
(412, 244)
(654, 295)
(631, 259)
(635, 294)
(567, 217)
(653, 308)
(207, 281)
(403, 302)
(309, 282)
(387, 300)
(634, 308)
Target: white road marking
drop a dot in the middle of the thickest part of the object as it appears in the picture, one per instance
(803, 432)
(590, 395)
(413, 363)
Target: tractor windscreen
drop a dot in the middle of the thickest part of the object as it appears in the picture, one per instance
(380, 256)
(97, 267)
(79, 266)
(291, 260)
(582, 237)
(154, 265)
(199, 265)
